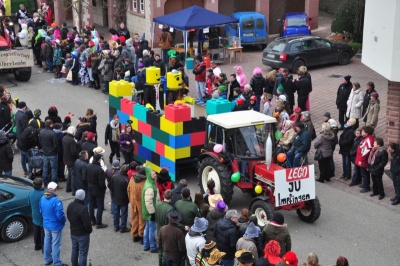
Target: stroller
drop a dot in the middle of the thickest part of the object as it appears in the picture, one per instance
(8, 131)
(35, 162)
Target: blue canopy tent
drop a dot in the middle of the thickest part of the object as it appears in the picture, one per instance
(194, 17)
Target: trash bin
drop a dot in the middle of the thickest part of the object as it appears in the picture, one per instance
(189, 63)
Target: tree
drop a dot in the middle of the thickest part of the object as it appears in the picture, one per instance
(121, 7)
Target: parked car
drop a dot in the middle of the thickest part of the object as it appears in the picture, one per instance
(295, 23)
(309, 51)
(15, 209)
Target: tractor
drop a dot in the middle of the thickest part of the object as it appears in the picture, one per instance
(238, 151)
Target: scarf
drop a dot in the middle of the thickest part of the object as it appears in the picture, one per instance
(115, 131)
(372, 155)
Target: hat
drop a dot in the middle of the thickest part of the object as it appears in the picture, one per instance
(71, 130)
(222, 88)
(271, 252)
(210, 244)
(252, 231)
(374, 94)
(290, 258)
(347, 78)
(129, 42)
(174, 217)
(246, 257)
(352, 121)
(140, 64)
(333, 123)
(115, 164)
(52, 185)
(54, 24)
(306, 114)
(90, 135)
(282, 97)
(96, 157)
(200, 225)
(215, 256)
(80, 194)
(37, 112)
(326, 127)
(213, 199)
(240, 101)
(221, 206)
(122, 39)
(98, 149)
(91, 44)
(280, 88)
(297, 109)
(88, 26)
(141, 170)
(278, 218)
(327, 114)
(185, 192)
(21, 105)
(70, 36)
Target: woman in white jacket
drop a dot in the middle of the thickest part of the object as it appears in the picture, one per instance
(355, 103)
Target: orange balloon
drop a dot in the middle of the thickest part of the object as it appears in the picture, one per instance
(281, 157)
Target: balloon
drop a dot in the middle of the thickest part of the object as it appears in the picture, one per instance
(235, 177)
(218, 148)
(281, 157)
(278, 134)
(258, 189)
(268, 151)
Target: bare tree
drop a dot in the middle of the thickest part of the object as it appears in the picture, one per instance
(78, 8)
(121, 7)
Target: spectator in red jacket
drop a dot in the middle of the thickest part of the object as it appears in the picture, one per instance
(200, 76)
(362, 156)
(164, 182)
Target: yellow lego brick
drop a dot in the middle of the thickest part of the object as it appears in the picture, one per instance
(175, 154)
(175, 129)
(134, 123)
(154, 167)
(120, 88)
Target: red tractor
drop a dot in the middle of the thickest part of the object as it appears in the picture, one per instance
(238, 151)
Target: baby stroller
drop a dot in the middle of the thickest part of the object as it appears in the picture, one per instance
(35, 162)
(8, 131)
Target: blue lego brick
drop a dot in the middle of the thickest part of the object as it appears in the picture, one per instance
(123, 118)
(181, 141)
(170, 165)
(144, 152)
(140, 112)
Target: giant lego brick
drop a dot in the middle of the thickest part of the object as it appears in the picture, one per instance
(175, 154)
(120, 88)
(153, 118)
(149, 143)
(171, 128)
(166, 163)
(173, 176)
(135, 123)
(194, 125)
(197, 138)
(135, 147)
(195, 151)
(144, 128)
(218, 106)
(140, 112)
(114, 102)
(138, 138)
(155, 158)
(160, 148)
(127, 106)
(154, 167)
(139, 159)
(144, 152)
(178, 112)
(123, 118)
(111, 112)
(160, 135)
(181, 141)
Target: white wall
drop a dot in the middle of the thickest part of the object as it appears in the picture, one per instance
(140, 24)
(381, 39)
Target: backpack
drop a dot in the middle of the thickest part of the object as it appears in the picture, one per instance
(140, 80)
(28, 136)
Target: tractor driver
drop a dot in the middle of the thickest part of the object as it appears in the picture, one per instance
(247, 145)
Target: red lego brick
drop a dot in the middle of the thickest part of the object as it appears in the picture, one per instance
(135, 149)
(160, 148)
(127, 106)
(197, 138)
(178, 112)
(144, 128)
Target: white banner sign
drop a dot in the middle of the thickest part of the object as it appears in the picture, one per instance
(294, 185)
(16, 58)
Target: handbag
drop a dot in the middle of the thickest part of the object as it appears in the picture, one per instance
(69, 76)
(318, 155)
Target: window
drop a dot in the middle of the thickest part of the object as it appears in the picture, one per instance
(134, 5)
(323, 44)
(141, 6)
(248, 24)
(260, 24)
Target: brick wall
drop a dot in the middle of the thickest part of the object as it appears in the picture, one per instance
(393, 113)
(330, 6)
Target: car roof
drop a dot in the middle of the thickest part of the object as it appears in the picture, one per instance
(297, 38)
(16, 181)
(295, 14)
(240, 119)
(248, 13)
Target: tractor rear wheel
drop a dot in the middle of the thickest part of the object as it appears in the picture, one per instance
(23, 74)
(263, 210)
(220, 173)
(311, 212)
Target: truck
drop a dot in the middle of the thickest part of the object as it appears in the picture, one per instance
(16, 60)
(238, 151)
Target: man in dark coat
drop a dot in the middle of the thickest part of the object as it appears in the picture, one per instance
(226, 234)
(341, 99)
(187, 208)
(301, 146)
(6, 156)
(49, 143)
(83, 125)
(79, 178)
(345, 143)
(119, 188)
(89, 144)
(27, 140)
(5, 114)
(70, 154)
(64, 31)
(97, 189)
(367, 96)
(81, 228)
(232, 84)
(177, 192)
(21, 120)
(123, 31)
(303, 87)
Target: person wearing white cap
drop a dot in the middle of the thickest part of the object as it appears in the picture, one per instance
(70, 154)
(81, 228)
(52, 210)
(99, 150)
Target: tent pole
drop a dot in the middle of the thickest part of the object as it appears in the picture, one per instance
(152, 35)
(185, 34)
(240, 39)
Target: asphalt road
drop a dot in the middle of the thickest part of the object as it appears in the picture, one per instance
(362, 231)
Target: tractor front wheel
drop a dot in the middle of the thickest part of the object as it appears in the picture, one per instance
(263, 210)
(311, 212)
(212, 169)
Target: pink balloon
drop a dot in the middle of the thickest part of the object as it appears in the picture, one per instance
(114, 37)
(218, 148)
